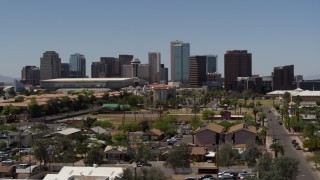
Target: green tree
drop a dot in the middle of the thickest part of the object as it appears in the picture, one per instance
(88, 122)
(95, 156)
(34, 109)
(264, 166)
(207, 114)
(19, 99)
(11, 110)
(286, 97)
(285, 167)
(262, 116)
(315, 158)
(255, 112)
(240, 106)
(166, 124)
(251, 154)
(312, 143)
(308, 130)
(130, 127)
(142, 153)
(179, 157)
(127, 174)
(103, 124)
(41, 151)
(227, 155)
(277, 148)
(120, 137)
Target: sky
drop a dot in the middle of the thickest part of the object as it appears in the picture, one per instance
(277, 33)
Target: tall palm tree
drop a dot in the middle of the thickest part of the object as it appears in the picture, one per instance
(262, 116)
(278, 148)
(240, 106)
(255, 112)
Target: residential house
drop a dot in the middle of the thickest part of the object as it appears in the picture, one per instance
(241, 134)
(198, 153)
(69, 133)
(154, 134)
(209, 135)
(115, 153)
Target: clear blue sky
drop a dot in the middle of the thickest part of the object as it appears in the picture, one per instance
(276, 32)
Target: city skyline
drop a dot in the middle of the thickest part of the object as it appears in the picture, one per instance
(276, 33)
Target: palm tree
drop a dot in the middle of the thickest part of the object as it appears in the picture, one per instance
(255, 111)
(235, 103)
(240, 106)
(262, 116)
(263, 134)
(278, 148)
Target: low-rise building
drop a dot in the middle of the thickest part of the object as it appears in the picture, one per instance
(241, 134)
(76, 173)
(208, 135)
(154, 134)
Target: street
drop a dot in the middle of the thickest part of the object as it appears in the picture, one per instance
(279, 132)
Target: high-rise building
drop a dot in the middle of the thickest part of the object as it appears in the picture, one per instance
(237, 63)
(30, 75)
(155, 67)
(124, 59)
(95, 69)
(212, 61)
(110, 66)
(143, 72)
(180, 53)
(107, 67)
(77, 66)
(283, 78)
(127, 71)
(135, 64)
(65, 70)
(50, 65)
(198, 66)
(164, 75)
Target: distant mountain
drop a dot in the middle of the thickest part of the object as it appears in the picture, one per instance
(312, 77)
(7, 79)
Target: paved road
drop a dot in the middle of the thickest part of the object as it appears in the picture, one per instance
(278, 131)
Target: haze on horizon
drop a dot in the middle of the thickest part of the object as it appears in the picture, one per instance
(277, 33)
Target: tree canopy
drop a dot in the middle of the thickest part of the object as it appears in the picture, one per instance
(179, 157)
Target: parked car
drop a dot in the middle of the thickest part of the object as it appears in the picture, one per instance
(205, 177)
(143, 164)
(242, 175)
(210, 178)
(295, 144)
(190, 178)
(280, 123)
(227, 178)
(293, 141)
(298, 147)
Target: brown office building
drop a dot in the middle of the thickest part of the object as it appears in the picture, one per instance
(197, 70)
(30, 75)
(50, 65)
(237, 63)
(283, 78)
(124, 60)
